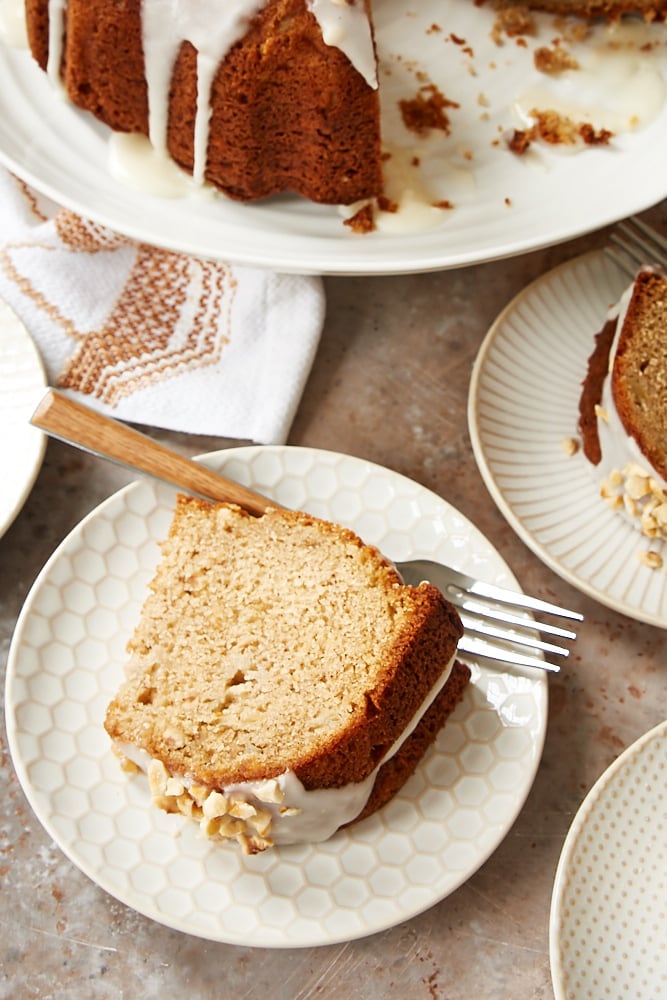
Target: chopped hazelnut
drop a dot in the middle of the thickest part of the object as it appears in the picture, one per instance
(636, 486)
(215, 805)
(651, 559)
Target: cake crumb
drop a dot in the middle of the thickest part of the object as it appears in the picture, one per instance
(651, 559)
(362, 221)
(519, 141)
(512, 21)
(426, 111)
(556, 129)
(387, 205)
(553, 61)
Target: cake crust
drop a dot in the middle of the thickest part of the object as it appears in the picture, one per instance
(288, 112)
(392, 776)
(591, 393)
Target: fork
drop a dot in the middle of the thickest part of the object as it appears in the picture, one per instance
(487, 612)
(634, 245)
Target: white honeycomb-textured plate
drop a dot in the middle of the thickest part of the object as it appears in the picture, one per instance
(66, 661)
(608, 927)
(524, 400)
(21, 445)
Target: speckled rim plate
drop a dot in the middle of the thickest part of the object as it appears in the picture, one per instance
(21, 445)
(66, 660)
(608, 925)
(503, 204)
(523, 402)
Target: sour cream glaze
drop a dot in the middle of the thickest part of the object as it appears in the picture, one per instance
(629, 482)
(261, 814)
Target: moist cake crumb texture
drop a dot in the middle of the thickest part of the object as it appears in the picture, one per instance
(274, 644)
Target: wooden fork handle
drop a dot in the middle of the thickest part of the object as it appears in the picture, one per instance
(70, 421)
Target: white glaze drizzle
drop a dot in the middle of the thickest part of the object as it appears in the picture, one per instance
(12, 23)
(212, 29)
(304, 816)
(346, 27)
(134, 160)
(56, 37)
(618, 84)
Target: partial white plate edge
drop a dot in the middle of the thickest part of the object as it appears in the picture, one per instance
(38, 382)
(215, 458)
(326, 263)
(574, 833)
(489, 480)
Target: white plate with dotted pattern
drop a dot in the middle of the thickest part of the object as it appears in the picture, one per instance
(66, 661)
(523, 404)
(608, 926)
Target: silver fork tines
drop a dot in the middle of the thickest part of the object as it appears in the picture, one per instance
(635, 245)
(504, 653)
(492, 626)
(480, 626)
(461, 600)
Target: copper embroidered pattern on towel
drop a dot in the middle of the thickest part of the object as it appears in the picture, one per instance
(171, 311)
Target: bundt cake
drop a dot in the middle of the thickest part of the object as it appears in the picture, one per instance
(623, 404)
(282, 681)
(256, 97)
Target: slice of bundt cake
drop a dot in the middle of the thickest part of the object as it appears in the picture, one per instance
(256, 97)
(623, 404)
(283, 681)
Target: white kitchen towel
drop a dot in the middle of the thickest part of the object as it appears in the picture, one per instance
(155, 337)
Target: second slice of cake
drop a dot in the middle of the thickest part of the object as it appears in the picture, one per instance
(623, 404)
(282, 681)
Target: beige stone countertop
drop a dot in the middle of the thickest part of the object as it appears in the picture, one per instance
(389, 384)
